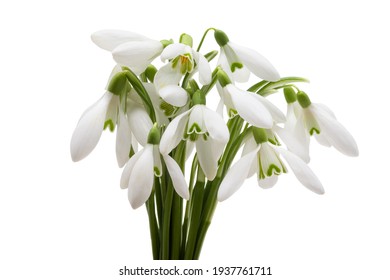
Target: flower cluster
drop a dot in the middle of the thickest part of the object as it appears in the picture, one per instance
(161, 116)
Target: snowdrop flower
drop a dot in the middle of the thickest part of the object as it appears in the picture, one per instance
(305, 119)
(253, 108)
(133, 128)
(138, 175)
(264, 158)
(237, 61)
(100, 115)
(182, 59)
(204, 127)
(108, 112)
(129, 49)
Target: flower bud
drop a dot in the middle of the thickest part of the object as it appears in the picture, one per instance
(221, 38)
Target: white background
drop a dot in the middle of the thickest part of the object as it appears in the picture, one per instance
(65, 220)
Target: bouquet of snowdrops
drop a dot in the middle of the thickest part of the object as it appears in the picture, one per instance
(162, 121)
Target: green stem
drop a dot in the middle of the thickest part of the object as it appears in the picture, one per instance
(140, 89)
(188, 206)
(165, 252)
(195, 218)
(204, 36)
(154, 231)
(210, 202)
(159, 200)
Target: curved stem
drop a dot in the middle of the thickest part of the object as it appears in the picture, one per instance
(204, 36)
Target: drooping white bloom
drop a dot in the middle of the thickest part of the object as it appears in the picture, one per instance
(109, 112)
(265, 159)
(133, 127)
(138, 175)
(253, 108)
(204, 127)
(182, 60)
(238, 61)
(318, 120)
(90, 126)
(128, 48)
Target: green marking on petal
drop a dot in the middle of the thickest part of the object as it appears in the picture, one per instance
(314, 130)
(157, 171)
(236, 65)
(110, 124)
(273, 170)
(193, 137)
(232, 113)
(195, 128)
(261, 172)
(132, 152)
(168, 109)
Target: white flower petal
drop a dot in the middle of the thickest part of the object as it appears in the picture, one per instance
(220, 107)
(302, 171)
(174, 95)
(215, 125)
(173, 50)
(249, 146)
(204, 69)
(236, 175)
(125, 177)
(139, 122)
(325, 109)
(141, 178)
(166, 76)
(268, 182)
(178, 180)
(249, 108)
(157, 161)
(189, 148)
(162, 119)
(195, 121)
(109, 39)
(321, 139)
(256, 63)
(166, 81)
(89, 128)
(123, 140)
(336, 134)
(138, 54)
(206, 157)
(112, 111)
(300, 148)
(173, 134)
(117, 68)
(240, 75)
(276, 114)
